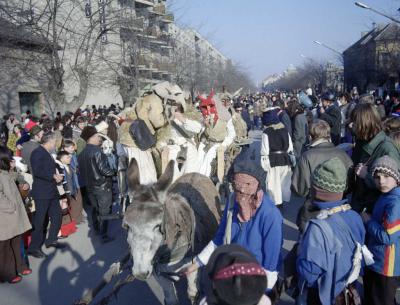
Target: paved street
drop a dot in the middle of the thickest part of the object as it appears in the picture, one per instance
(63, 276)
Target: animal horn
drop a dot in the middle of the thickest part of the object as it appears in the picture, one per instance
(133, 175)
(166, 178)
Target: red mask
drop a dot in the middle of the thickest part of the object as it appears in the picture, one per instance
(208, 107)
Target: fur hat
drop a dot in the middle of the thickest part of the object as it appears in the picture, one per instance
(387, 166)
(329, 180)
(234, 277)
(88, 132)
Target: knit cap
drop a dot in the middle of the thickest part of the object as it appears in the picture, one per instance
(387, 166)
(329, 180)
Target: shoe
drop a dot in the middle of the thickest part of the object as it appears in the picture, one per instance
(56, 245)
(106, 239)
(36, 253)
(62, 237)
(16, 280)
(26, 272)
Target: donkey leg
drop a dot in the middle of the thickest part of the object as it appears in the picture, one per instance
(192, 287)
(170, 297)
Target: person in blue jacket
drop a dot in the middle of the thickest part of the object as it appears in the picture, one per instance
(327, 263)
(250, 219)
(383, 227)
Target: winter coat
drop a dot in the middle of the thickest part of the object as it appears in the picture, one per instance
(43, 169)
(384, 234)
(94, 168)
(301, 179)
(285, 119)
(26, 152)
(261, 235)
(327, 249)
(365, 193)
(13, 218)
(310, 159)
(300, 133)
(333, 117)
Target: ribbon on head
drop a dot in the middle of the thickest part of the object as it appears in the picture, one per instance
(239, 269)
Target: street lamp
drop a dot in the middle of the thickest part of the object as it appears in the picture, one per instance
(364, 6)
(328, 47)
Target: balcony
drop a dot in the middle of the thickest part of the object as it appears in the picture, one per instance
(169, 18)
(136, 24)
(145, 3)
(159, 9)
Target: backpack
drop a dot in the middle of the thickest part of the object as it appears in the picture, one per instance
(141, 135)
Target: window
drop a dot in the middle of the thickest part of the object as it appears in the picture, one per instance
(30, 101)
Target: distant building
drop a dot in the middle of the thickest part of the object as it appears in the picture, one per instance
(193, 54)
(334, 78)
(374, 60)
(22, 79)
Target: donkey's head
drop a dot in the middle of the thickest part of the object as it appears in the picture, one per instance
(144, 219)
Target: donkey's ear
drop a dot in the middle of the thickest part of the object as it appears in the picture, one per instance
(133, 175)
(166, 178)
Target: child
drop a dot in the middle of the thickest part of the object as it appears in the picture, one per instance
(330, 259)
(383, 227)
(76, 201)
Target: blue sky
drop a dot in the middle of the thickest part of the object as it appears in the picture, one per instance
(265, 36)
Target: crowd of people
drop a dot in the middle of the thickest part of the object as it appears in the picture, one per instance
(340, 153)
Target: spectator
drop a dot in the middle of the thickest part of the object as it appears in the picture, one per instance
(46, 196)
(97, 176)
(383, 277)
(80, 123)
(330, 112)
(391, 124)
(327, 263)
(13, 138)
(11, 122)
(283, 116)
(28, 147)
(321, 149)
(58, 128)
(346, 107)
(276, 147)
(13, 223)
(299, 125)
(75, 193)
(225, 283)
(395, 136)
(371, 144)
(67, 129)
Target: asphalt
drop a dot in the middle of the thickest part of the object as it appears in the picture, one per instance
(65, 275)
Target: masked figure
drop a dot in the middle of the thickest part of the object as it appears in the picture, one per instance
(219, 132)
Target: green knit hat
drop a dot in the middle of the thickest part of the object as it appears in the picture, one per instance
(330, 176)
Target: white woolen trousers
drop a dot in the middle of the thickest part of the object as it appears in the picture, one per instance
(279, 179)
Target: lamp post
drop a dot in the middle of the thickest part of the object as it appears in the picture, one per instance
(328, 47)
(364, 6)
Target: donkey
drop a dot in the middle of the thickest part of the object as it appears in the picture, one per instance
(169, 225)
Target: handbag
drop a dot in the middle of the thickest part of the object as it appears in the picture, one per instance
(141, 135)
